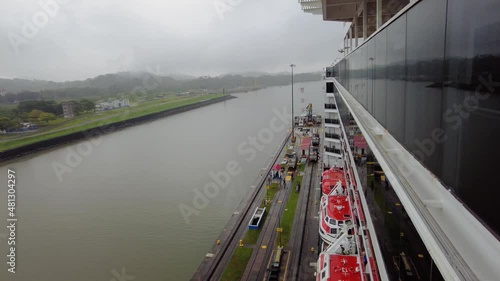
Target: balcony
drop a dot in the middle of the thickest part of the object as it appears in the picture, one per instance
(334, 151)
(332, 137)
(330, 106)
(332, 121)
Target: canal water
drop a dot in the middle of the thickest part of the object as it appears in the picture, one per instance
(109, 208)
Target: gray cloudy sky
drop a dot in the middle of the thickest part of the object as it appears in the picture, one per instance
(79, 39)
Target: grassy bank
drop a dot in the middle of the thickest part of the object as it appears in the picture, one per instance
(291, 208)
(90, 121)
(239, 260)
(237, 264)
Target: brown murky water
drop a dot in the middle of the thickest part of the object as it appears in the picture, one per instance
(115, 214)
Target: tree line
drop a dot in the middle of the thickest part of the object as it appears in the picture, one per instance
(18, 90)
(39, 112)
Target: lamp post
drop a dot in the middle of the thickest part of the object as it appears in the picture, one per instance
(293, 117)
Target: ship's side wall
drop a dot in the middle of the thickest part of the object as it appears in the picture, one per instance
(432, 79)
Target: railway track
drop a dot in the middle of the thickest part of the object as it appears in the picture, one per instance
(258, 263)
(264, 248)
(223, 256)
(300, 226)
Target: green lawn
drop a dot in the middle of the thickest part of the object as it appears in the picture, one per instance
(237, 264)
(291, 208)
(89, 121)
(271, 192)
(239, 260)
(252, 236)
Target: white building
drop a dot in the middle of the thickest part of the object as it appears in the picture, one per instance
(68, 109)
(114, 104)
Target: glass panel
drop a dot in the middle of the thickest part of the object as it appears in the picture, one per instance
(380, 64)
(424, 64)
(370, 74)
(438, 67)
(471, 111)
(329, 87)
(396, 76)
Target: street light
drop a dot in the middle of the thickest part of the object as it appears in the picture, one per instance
(293, 117)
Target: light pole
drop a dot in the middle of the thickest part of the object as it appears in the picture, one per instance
(293, 117)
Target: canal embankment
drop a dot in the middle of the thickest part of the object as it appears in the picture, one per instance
(97, 131)
(220, 254)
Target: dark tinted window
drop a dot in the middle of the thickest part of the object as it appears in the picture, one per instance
(329, 87)
(438, 67)
(424, 63)
(472, 104)
(396, 74)
(370, 74)
(380, 64)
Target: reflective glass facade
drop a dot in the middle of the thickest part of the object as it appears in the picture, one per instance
(432, 78)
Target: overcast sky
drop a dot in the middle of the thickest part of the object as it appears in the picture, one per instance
(83, 39)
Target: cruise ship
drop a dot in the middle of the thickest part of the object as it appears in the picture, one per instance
(420, 78)
(347, 233)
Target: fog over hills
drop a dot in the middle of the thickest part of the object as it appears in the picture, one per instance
(125, 82)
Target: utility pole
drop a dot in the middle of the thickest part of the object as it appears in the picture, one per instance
(293, 117)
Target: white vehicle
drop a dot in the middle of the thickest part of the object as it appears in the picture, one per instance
(301, 121)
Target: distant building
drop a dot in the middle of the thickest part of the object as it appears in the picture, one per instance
(114, 104)
(68, 109)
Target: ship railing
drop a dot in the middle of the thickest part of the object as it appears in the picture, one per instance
(333, 150)
(332, 136)
(332, 121)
